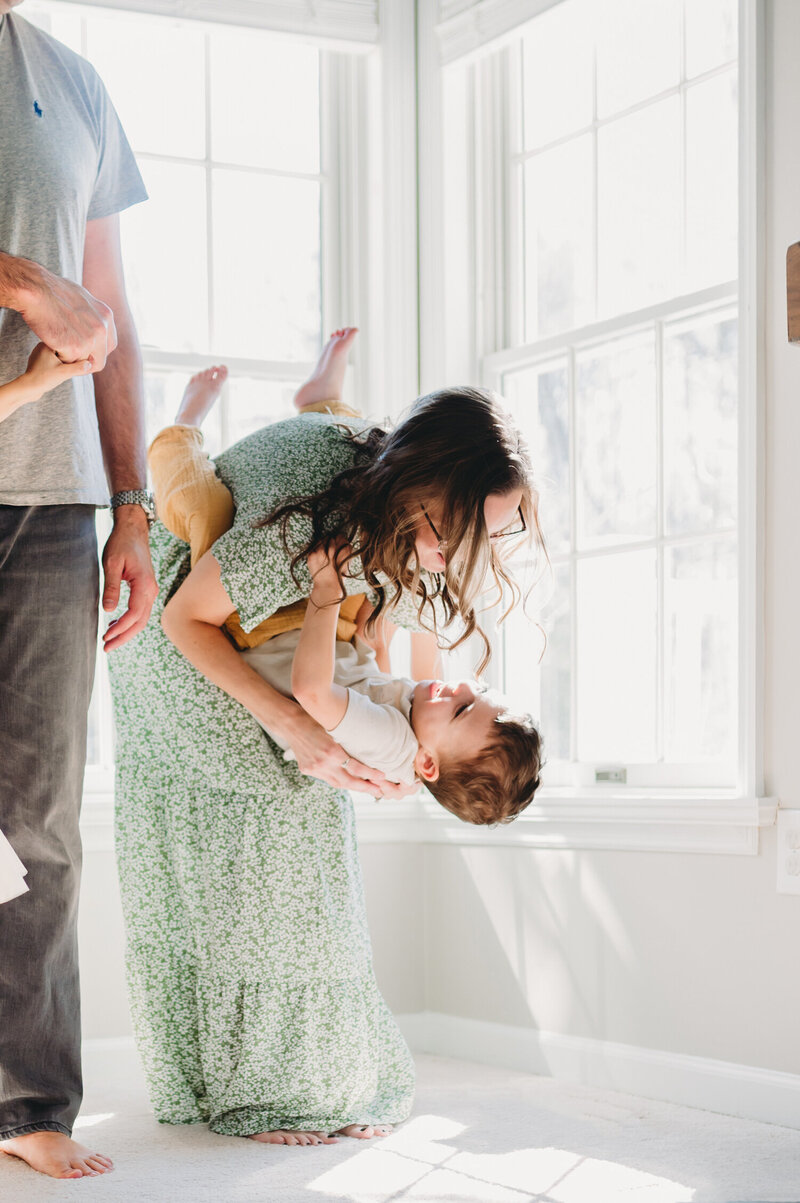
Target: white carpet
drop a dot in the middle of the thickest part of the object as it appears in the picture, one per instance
(477, 1134)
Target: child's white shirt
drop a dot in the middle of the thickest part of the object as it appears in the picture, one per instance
(376, 727)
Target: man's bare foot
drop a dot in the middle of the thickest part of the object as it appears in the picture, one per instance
(200, 394)
(325, 382)
(57, 1155)
(365, 1131)
(284, 1136)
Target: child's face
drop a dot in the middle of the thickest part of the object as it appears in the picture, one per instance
(452, 720)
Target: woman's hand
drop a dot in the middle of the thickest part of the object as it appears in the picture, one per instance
(320, 756)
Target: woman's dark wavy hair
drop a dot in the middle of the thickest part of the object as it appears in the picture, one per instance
(453, 449)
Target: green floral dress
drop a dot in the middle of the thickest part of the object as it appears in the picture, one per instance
(249, 965)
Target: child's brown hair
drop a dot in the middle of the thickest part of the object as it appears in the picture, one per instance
(497, 784)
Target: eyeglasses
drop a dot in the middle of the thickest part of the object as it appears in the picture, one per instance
(501, 534)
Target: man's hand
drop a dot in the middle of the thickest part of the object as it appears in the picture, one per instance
(126, 557)
(67, 318)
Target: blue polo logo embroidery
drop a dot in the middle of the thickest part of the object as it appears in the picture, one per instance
(37, 110)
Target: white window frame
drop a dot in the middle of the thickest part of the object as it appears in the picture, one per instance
(667, 819)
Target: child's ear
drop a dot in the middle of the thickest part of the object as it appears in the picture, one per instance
(426, 765)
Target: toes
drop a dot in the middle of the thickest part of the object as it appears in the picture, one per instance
(83, 1167)
(358, 1131)
(101, 1164)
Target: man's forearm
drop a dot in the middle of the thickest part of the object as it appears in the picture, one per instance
(17, 278)
(119, 399)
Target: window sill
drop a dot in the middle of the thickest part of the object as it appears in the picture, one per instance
(703, 822)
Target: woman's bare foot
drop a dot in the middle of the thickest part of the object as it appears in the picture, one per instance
(365, 1131)
(57, 1155)
(325, 382)
(284, 1136)
(200, 394)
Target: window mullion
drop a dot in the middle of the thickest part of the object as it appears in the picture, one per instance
(661, 632)
(684, 141)
(573, 547)
(595, 190)
(514, 236)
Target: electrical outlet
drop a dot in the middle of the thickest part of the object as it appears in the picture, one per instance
(788, 851)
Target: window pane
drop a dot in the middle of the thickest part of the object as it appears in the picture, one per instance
(155, 73)
(542, 687)
(617, 658)
(615, 419)
(711, 34)
(638, 52)
(256, 403)
(559, 274)
(639, 208)
(700, 425)
(164, 247)
(557, 102)
(712, 198)
(264, 101)
(701, 631)
(538, 399)
(266, 266)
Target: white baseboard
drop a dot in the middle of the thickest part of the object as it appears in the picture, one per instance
(721, 1086)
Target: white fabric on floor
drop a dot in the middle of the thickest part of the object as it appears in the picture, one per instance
(477, 1134)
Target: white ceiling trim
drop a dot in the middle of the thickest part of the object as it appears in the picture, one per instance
(353, 22)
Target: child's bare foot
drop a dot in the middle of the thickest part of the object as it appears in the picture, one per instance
(325, 382)
(365, 1131)
(200, 394)
(284, 1136)
(55, 1154)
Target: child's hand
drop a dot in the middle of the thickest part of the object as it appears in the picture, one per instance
(322, 566)
(45, 370)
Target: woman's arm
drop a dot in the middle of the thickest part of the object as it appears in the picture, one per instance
(192, 620)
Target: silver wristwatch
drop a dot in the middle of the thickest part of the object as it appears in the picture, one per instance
(141, 497)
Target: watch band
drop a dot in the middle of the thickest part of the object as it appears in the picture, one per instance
(142, 497)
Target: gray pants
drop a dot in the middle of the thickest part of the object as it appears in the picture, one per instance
(48, 634)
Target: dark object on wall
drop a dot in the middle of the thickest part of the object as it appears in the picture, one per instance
(793, 291)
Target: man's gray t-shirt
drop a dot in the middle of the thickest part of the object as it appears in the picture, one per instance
(64, 160)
